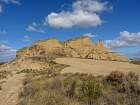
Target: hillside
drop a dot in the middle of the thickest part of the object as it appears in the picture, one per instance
(81, 47)
(40, 72)
(38, 55)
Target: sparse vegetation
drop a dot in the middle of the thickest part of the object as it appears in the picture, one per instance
(1, 63)
(135, 62)
(82, 89)
(4, 74)
(52, 70)
(91, 90)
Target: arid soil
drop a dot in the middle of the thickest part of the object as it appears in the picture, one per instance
(10, 89)
(96, 67)
(13, 84)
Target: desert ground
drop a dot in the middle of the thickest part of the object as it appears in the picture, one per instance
(96, 67)
(9, 95)
(13, 84)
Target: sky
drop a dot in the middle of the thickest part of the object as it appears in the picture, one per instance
(23, 22)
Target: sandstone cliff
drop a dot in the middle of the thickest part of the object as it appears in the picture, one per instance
(80, 47)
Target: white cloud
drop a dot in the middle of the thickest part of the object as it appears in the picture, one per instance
(91, 5)
(85, 13)
(27, 38)
(34, 27)
(10, 1)
(89, 35)
(6, 2)
(125, 39)
(6, 52)
(77, 18)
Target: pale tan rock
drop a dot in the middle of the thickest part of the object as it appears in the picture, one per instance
(32, 51)
(80, 47)
(50, 43)
(23, 64)
(78, 42)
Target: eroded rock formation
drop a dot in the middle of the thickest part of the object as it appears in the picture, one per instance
(80, 47)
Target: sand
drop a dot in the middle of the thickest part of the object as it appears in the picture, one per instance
(9, 95)
(96, 67)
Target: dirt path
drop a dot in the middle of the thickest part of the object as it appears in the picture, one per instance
(96, 67)
(10, 89)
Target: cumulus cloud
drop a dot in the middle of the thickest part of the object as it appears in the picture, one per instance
(6, 2)
(6, 52)
(85, 13)
(91, 5)
(34, 27)
(125, 39)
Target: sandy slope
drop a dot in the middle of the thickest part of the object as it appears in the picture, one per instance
(12, 85)
(97, 67)
(10, 89)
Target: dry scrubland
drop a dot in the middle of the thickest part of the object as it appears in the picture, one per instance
(116, 88)
(72, 81)
(135, 62)
(10, 89)
(51, 87)
(3, 75)
(36, 77)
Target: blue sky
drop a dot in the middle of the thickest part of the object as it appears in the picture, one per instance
(117, 22)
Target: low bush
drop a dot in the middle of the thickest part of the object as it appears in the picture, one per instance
(81, 89)
(91, 91)
(4, 74)
(127, 86)
(115, 77)
(135, 62)
(1, 63)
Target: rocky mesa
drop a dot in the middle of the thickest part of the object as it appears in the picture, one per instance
(81, 47)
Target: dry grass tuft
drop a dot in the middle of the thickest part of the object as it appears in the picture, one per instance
(4, 74)
(82, 89)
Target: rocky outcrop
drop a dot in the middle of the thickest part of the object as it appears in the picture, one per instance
(78, 42)
(50, 43)
(47, 48)
(80, 47)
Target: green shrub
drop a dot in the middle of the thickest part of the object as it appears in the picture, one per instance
(44, 91)
(127, 85)
(115, 77)
(82, 89)
(91, 90)
(70, 92)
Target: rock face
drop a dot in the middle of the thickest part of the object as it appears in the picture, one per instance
(47, 48)
(80, 47)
